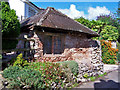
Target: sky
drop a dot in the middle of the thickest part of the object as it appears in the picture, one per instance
(89, 10)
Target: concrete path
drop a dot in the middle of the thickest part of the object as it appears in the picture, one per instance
(111, 80)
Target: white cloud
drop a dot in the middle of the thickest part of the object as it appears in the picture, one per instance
(92, 12)
(72, 12)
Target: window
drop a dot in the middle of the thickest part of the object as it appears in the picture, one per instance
(53, 45)
(31, 12)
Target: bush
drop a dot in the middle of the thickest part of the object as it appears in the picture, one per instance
(45, 74)
(72, 65)
(0, 56)
(19, 61)
(19, 77)
(92, 78)
(12, 44)
(109, 54)
(52, 72)
(118, 47)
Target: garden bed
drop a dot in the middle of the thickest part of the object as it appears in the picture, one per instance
(34, 75)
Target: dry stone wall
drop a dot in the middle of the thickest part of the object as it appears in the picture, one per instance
(86, 52)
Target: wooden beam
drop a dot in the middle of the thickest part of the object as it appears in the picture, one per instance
(53, 44)
(22, 49)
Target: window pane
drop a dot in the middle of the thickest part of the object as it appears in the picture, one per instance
(48, 45)
(57, 45)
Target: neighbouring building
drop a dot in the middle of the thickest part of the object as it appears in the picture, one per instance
(24, 8)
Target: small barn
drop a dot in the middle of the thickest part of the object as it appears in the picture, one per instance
(52, 36)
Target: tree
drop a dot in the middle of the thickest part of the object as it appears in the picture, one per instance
(101, 26)
(94, 25)
(111, 20)
(10, 23)
(10, 26)
(109, 32)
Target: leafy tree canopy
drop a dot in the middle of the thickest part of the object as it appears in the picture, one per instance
(111, 20)
(106, 28)
(10, 23)
(109, 32)
(10, 26)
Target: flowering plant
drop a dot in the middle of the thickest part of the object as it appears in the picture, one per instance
(109, 54)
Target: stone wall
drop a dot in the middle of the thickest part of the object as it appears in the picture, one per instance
(86, 52)
(91, 67)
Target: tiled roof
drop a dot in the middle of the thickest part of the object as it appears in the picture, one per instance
(52, 18)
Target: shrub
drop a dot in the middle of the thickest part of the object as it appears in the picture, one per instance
(101, 75)
(109, 54)
(72, 65)
(0, 56)
(19, 61)
(19, 77)
(85, 75)
(52, 72)
(118, 47)
(92, 78)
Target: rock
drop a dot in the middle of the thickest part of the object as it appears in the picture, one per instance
(68, 85)
(89, 79)
(79, 75)
(83, 80)
(78, 80)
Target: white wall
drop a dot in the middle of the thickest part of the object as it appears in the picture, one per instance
(22, 8)
(18, 6)
(27, 5)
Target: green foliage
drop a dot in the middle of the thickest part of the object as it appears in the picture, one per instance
(52, 72)
(10, 26)
(118, 47)
(8, 72)
(109, 54)
(0, 56)
(118, 57)
(84, 21)
(85, 75)
(92, 78)
(111, 20)
(72, 65)
(94, 25)
(12, 44)
(109, 33)
(10, 23)
(106, 29)
(19, 77)
(19, 61)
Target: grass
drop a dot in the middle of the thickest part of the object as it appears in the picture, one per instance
(94, 78)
